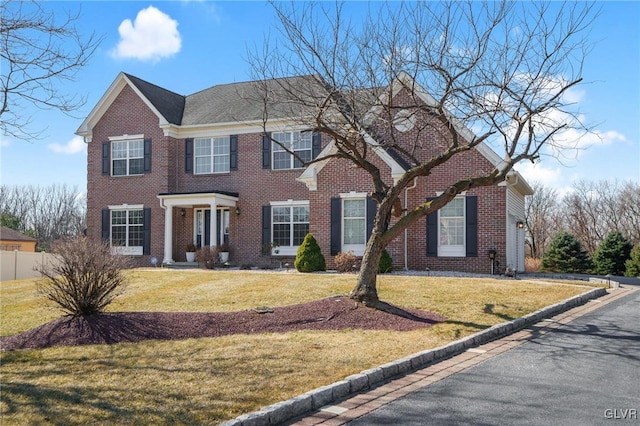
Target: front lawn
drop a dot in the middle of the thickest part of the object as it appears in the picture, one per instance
(215, 379)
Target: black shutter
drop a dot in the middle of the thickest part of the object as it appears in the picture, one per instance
(188, 155)
(471, 231)
(336, 226)
(106, 156)
(233, 152)
(432, 233)
(106, 225)
(146, 231)
(316, 144)
(147, 155)
(266, 225)
(266, 151)
(372, 206)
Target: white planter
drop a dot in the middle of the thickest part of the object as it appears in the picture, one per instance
(224, 256)
(191, 256)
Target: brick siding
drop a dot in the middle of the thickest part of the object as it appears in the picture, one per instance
(256, 187)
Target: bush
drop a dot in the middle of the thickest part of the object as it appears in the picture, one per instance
(565, 254)
(532, 264)
(632, 265)
(87, 278)
(309, 258)
(347, 262)
(386, 263)
(208, 257)
(611, 254)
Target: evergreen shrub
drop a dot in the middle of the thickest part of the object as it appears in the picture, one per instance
(632, 265)
(611, 254)
(386, 263)
(565, 254)
(309, 258)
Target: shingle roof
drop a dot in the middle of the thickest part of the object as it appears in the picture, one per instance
(13, 235)
(169, 104)
(235, 102)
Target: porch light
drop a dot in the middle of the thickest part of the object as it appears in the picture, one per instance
(520, 224)
(237, 211)
(182, 212)
(492, 254)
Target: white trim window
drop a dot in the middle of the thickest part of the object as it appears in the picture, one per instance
(451, 229)
(354, 225)
(127, 157)
(289, 226)
(211, 155)
(127, 231)
(299, 142)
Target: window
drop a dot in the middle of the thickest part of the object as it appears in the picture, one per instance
(290, 224)
(352, 216)
(451, 228)
(127, 231)
(299, 142)
(127, 157)
(354, 225)
(211, 155)
(354, 221)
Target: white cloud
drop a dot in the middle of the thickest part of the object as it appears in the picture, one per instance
(152, 36)
(5, 141)
(74, 146)
(553, 177)
(539, 173)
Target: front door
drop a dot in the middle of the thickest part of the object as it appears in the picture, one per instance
(203, 225)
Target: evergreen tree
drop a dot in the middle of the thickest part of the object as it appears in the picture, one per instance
(611, 254)
(309, 258)
(632, 265)
(565, 254)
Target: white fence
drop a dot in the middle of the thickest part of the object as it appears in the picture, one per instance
(17, 265)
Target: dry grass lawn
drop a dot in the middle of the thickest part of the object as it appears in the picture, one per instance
(211, 380)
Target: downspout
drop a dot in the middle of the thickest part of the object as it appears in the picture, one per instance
(406, 231)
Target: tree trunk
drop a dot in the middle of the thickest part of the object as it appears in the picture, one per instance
(365, 290)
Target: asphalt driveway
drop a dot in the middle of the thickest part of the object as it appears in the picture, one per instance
(586, 372)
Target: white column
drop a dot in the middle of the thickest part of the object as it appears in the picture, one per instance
(213, 228)
(168, 235)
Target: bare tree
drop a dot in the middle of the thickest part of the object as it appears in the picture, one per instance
(38, 50)
(628, 202)
(541, 211)
(595, 209)
(500, 68)
(46, 213)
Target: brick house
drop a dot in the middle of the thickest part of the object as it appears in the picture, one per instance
(165, 170)
(11, 240)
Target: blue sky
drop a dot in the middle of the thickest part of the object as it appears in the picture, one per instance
(203, 43)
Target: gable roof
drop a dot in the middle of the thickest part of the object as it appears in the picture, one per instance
(221, 104)
(8, 234)
(394, 160)
(168, 103)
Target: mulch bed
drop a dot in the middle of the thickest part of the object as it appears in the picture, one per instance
(333, 313)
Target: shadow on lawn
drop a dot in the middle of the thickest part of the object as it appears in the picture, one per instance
(103, 328)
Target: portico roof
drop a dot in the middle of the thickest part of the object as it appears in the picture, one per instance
(186, 199)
